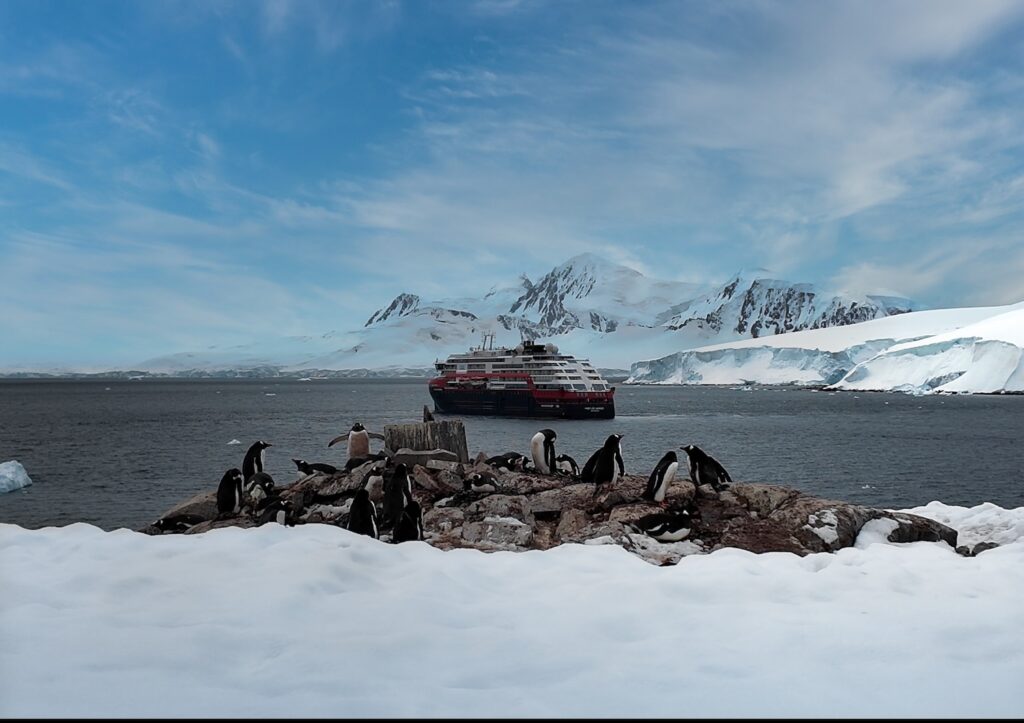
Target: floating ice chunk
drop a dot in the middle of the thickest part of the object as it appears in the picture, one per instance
(13, 476)
(234, 441)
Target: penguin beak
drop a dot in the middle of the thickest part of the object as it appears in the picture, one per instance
(337, 439)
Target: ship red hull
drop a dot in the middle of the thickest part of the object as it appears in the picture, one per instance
(523, 402)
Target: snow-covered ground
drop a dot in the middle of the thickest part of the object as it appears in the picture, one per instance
(975, 349)
(316, 621)
(13, 476)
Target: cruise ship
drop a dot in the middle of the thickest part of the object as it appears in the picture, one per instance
(531, 380)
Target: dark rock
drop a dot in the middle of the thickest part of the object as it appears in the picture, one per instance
(532, 511)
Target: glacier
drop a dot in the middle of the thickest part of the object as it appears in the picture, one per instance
(963, 350)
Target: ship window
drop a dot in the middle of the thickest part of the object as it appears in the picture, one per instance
(580, 387)
(600, 387)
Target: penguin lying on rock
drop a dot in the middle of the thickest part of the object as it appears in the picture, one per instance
(309, 468)
(665, 526)
(178, 523)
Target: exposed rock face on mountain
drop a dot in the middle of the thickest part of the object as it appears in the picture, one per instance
(590, 307)
(536, 512)
(754, 307)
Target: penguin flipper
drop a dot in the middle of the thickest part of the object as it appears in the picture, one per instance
(587, 475)
(375, 435)
(339, 438)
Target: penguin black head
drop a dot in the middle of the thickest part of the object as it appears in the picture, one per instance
(691, 449)
(362, 495)
(612, 441)
(549, 434)
(262, 480)
(233, 475)
(300, 463)
(357, 427)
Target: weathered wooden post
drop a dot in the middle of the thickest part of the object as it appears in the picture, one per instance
(449, 434)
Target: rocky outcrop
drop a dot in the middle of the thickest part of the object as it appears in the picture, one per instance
(536, 512)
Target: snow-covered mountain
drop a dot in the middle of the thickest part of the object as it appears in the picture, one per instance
(590, 307)
(977, 349)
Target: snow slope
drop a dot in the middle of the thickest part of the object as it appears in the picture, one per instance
(316, 621)
(876, 354)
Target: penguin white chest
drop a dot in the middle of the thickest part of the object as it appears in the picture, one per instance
(537, 452)
(675, 535)
(358, 444)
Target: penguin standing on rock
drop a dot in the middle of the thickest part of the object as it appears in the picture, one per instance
(542, 449)
(253, 461)
(229, 494)
(362, 516)
(358, 441)
(279, 511)
(397, 494)
(605, 465)
(260, 489)
(705, 469)
(410, 524)
(662, 476)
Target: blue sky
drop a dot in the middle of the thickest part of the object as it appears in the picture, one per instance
(177, 174)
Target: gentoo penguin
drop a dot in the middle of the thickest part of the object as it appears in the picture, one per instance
(362, 516)
(567, 465)
(277, 510)
(253, 461)
(354, 462)
(373, 482)
(480, 482)
(260, 488)
(662, 476)
(542, 449)
(427, 415)
(178, 523)
(397, 494)
(512, 461)
(665, 526)
(410, 524)
(605, 465)
(358, 441)
(705, 469)
(229, 493)
(307, 468)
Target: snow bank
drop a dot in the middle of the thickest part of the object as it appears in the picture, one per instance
(316, 621)
(13, 476)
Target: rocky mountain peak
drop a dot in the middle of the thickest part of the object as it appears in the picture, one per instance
(403, 304)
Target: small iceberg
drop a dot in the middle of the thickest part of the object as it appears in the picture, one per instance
(234, 441)
(13, 476)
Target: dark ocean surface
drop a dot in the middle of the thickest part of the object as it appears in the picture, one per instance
(117, 453)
